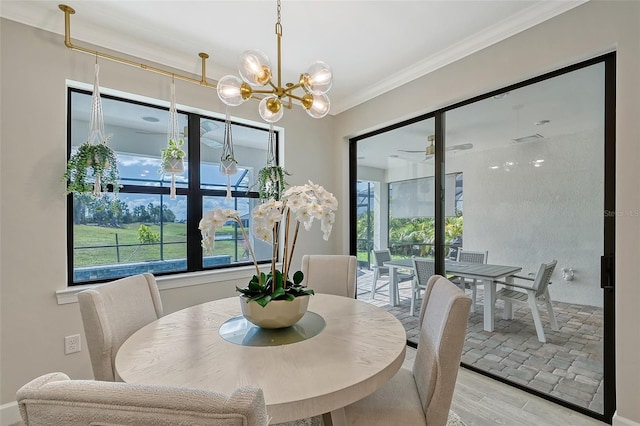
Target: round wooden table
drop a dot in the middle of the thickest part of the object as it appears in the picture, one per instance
(360, 348)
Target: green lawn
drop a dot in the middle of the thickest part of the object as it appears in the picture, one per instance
(129, 247)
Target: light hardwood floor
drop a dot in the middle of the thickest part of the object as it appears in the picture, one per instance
(482, 401)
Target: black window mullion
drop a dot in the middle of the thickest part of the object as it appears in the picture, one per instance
(194, 197)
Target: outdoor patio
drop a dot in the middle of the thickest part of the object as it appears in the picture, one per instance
(568, 366)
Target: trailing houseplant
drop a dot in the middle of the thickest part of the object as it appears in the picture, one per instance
(172, 157)
(92, 167)
(271, 182)
(299, 204)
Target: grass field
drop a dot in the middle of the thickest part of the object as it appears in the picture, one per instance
(101, 245)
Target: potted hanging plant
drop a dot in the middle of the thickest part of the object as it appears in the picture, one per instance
(172, 157)
(91, 168)
(299, 204)
(271, 182)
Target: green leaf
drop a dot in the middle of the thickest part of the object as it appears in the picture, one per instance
(263, 300)
(298, 277)
(279, 281)
(278, 293)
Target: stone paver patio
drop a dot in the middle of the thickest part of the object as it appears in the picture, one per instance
(568, 366)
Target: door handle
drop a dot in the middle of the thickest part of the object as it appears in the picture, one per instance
(607, 272)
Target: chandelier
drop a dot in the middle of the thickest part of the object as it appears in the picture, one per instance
(256, 82)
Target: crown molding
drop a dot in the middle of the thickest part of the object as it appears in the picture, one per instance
(515, 24)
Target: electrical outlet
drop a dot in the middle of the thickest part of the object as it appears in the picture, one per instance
(72, 344)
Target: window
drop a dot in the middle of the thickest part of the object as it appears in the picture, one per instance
(141, 229)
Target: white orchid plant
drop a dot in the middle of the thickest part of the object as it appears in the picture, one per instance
(299, 204)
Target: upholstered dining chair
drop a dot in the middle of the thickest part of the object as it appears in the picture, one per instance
(114, 311)
(379, 270)
(54, 399)
(537, 291)
(332, 274)
(469, 256)
(422, 395)
(423, 269)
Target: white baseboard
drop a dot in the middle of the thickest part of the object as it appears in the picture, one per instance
(9, 414)
(619, 421)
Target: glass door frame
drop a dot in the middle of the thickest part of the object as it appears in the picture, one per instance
(609, 205)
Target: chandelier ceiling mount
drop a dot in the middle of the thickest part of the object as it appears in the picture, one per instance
(256, 82)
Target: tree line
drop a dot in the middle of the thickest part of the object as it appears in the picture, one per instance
(107, 211)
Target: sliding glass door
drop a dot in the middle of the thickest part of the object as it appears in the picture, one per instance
(506, 194)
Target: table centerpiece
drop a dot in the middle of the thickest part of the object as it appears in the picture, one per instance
(272, 300)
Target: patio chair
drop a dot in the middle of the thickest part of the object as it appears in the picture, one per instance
(114, 311)
(54, 399)
(422, 395)
(532, 294)
(469, 256)
(379, 270)
(423, 269)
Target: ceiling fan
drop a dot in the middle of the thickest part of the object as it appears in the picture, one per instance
(430, 150)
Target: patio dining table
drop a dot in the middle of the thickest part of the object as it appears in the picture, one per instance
(482, 271)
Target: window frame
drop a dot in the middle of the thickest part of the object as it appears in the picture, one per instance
(193, 192)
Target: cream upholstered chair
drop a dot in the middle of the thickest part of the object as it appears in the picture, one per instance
(54, 399)
(423, 269)
(538, 291)
(332, 274)
(114, 311)
(469, 256)
(422, 395)
(379, 270)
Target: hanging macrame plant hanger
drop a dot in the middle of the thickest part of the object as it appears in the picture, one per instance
(228, 163)
(174, 166)
(96, 126)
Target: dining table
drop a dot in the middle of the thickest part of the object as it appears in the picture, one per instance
(488, 273)
(341, 351)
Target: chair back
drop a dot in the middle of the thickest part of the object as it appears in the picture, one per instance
(381, 256)
(541, 281)
(54, 399)
(469, 256)
(114, 311)
(427, 291)
(331, 274)
(423, 269)
(441, 339)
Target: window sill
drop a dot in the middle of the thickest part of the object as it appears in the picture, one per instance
(70, 294)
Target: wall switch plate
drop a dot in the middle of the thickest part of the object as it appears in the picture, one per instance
(72, 344)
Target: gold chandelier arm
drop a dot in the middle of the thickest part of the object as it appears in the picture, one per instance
(291, 87)
(264, 92)
(68, 11)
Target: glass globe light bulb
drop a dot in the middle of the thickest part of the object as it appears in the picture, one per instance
(270, 109)
(318, 78)
(317, 106)
(255, 68)
(231, 90)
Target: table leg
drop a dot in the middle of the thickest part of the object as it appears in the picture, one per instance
(393, 286)
(335, 418)
(490, 291)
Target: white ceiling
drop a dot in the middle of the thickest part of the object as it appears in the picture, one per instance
(372, 46)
